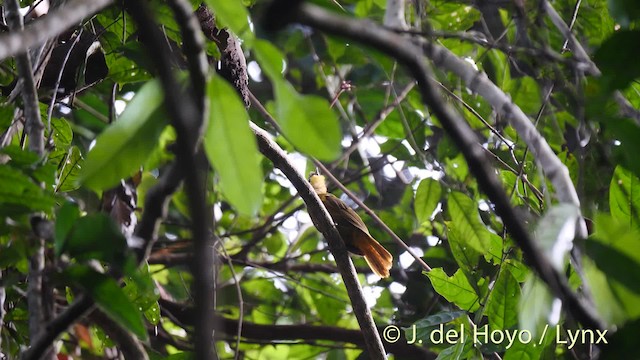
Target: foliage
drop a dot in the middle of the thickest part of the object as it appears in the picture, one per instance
(110, 142)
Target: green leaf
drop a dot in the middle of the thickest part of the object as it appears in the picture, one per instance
(62, 133)
(19, 194)
(110, 297)
(555, 232)
(65, 220)
(71, 167)
(20, 157)
(96, 237)
(464, 215)
(232, 14)
(427, 199)
(624, 197)
(616, 264)
(607, 305)
(231, 148)
(535, 305)
(455, 289)
(124, 146)
(502, 305)
(466, 256)
(141, 290)
(306, 121)
(613, 247)
(425, 326)
(619, 68)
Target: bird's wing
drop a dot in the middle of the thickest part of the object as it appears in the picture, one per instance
(343, 215)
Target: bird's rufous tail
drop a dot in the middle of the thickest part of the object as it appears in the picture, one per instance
(376, 256)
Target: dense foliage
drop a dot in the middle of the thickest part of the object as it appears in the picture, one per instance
(75, 214)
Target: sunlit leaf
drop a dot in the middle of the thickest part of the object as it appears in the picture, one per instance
(232, 14)
(427, 198)
(502, 305)
(624, 197)
(306, 120)
(124, 146)
(231, 148)
(455, 289)
(110, 297)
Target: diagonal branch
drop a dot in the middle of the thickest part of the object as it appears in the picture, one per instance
(325, 225)
(49, 26)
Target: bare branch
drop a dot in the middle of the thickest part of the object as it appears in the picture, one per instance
(58, 325)
(187, 115)
(54, 24)
(325, 225)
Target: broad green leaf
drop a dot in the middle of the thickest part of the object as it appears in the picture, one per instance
(555, 232)
(466, 256)
(427, 198)
(124, 146)
(464, 215)
(533, 349)
(65, 219)
(96, 237)
(624, 197)
(425, 326)
(232, 14)
(306, 120)
(535, 306)
(614, 251)
(502, 305)
(606, 303)
(455, 289)
(19, 194)
(71, 167)
(616, 264)
(20, 157)
(110, 297)
(141, 290)
(231, 148)
(62, 133)
(459, 350)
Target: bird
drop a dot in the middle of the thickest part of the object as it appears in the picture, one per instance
(352, 229)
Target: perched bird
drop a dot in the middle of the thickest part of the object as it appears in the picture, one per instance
(352, 229)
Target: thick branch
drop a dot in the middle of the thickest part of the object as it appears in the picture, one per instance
(252, 331)
(187, 117)
(325, 225)
(54, 24)
(411, 57)
(61, 323)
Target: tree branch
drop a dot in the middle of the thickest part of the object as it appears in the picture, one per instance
(54, 24)
(252, 331)
(59, 324)
(187, 117)
(35, 131)
(323, 222)
(411, 57)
